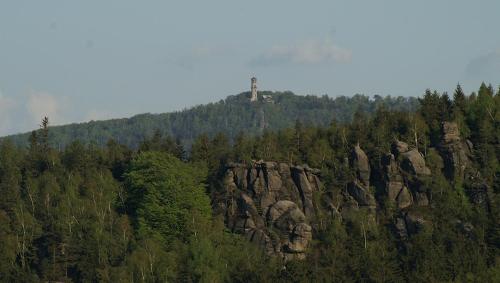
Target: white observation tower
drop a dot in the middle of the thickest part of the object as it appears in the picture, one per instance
(254, 89)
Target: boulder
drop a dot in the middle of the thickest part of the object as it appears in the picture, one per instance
(281, 207)
(301, 236)
(414, 163)
(404, 198)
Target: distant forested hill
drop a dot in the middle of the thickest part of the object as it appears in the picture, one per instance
(235, 114)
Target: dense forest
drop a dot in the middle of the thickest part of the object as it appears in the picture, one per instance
(152, 212)
(274, 111)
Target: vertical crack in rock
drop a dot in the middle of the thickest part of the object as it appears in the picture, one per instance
(359, 188)
(273, 207)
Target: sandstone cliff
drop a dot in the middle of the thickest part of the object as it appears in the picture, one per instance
(271, 204)
(277, 205)
(458, 157)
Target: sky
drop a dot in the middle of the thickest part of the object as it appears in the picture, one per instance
(77, 61)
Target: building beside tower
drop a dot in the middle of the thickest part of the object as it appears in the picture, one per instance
(253, 87)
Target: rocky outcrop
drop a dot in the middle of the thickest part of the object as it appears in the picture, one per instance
(456, 153)
(414, 163)
(403, 177)
(271, 204)
(404, 172)
(359, 188)
(361, 165)
(395, 185)
(277, 205)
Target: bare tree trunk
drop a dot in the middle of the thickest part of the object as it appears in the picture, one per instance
(364, 232)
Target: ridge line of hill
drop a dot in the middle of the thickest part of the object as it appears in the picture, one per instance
(235, 114)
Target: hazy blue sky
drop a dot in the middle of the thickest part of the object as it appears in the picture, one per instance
(81, 60)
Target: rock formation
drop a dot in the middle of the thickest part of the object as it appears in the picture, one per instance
(395, 185)
(271, 204)
(276, 205)
(359, 188)
(404, 173)
(456, 153)
(457, 157)
(414, 163)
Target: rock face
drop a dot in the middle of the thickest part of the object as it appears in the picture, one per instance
(456, 154)
(404, 171)
(271, 204)
(414, 163)
(361, 165)
(395, 185)
(359, 188)
(276, 205)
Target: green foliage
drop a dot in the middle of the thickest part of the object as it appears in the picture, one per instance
(231, 116)
(138, 209)
(165, 195)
